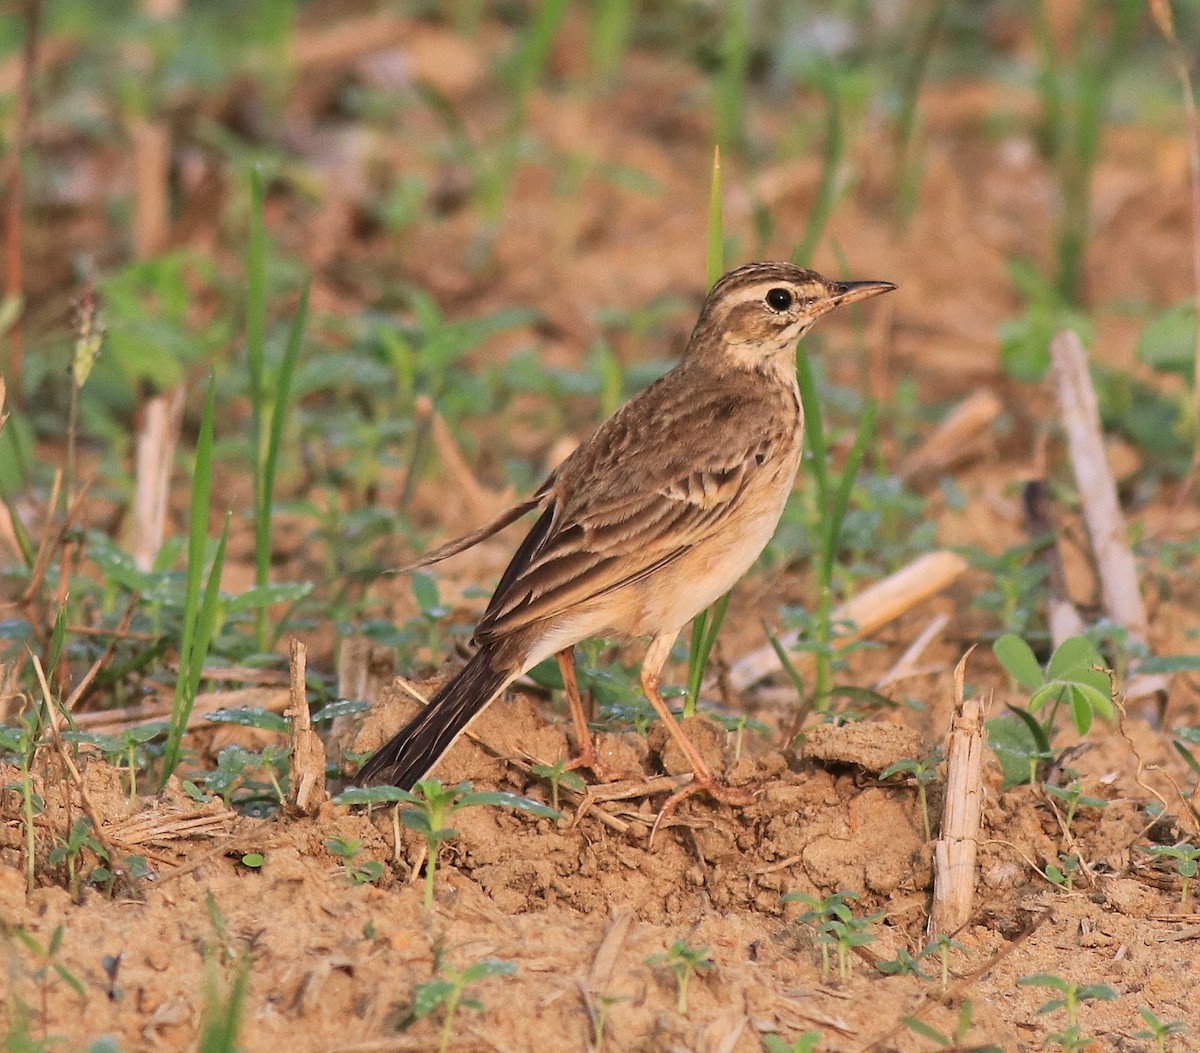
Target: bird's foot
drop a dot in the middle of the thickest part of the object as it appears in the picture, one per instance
(590, 759)
(702, 782)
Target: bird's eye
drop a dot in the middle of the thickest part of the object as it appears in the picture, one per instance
(779, 299)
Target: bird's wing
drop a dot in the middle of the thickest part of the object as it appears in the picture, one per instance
(625, 505)
(461, 544)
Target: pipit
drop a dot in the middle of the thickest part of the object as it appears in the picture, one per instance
(649, 521)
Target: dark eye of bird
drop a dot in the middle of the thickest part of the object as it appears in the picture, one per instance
(779, 299)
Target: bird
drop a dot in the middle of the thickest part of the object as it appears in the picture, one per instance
(648, 522)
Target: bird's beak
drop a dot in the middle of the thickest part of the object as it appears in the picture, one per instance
(850, 292)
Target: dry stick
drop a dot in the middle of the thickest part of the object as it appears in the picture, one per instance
(162, 417)
(306, 764)
(955, 850)
(954, 439)
(906, 665)
(871, 609)
(56, 719)
(1098, 493)
(14, 279)
(1065, 621)
(109, 721)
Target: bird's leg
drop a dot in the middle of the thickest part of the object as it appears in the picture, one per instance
(703, 779)
(586, 755)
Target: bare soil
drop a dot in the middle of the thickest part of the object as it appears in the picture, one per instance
(581, 906)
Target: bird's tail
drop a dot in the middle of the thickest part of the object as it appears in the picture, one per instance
(408, 756)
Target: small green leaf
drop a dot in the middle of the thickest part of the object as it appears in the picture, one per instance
(374, 795)
(1019, 662)
(1076, 655)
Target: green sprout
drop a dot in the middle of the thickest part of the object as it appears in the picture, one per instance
(924, 772)
(684, 961)
(448, 988)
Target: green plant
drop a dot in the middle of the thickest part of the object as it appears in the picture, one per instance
(1075, 79)
(707, 624)
(268, 407)
(199, 613)
(1073, 797)
(1071, 997)
(684, 961)
(1075, 676)
(924, 771)
(942, 945)
(957, 1041)
(69, 851)
(23, 740)
(557, 774)
(47, 967)
(447, 989)
(832, 497)
(806, 1042)
(126, 747)
(433, 805)
(836, 926)
(1157, 1031)
(1063, 874)
(904, 964)
(221, 1017)
(347, 850)
(1186, 857)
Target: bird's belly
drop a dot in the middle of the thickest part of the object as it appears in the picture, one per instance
(673, 596)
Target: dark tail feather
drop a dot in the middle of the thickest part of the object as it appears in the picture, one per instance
(408, 756)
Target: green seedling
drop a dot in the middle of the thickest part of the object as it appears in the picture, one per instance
(942, 945)
(1071, 997)
(803, 1043)
(610, 29)
(600, 1016)
(557, 775)
(234, 781)
(1186, 857)
(347, 851)
(125, 749)
(1074, 676)
(22, 741)
(1063, 874)
(739, 724)
(957, 1041)
(1157, 1031)
(684, 961)
(835, 926)
(448, 989)
(79, 838)
(924, 772)
(1073, 798)
(904, 964)
(433, 805)
(48, 967)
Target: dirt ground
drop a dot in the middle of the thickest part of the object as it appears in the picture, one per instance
(582, 906)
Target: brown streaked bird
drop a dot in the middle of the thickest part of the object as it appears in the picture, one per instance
(652, 519)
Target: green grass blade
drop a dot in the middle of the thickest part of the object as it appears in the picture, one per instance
(715, 263)
(841, 495)
(814, 430)
(279, 412)
(707, 624)
(197, 540)
(835, 145)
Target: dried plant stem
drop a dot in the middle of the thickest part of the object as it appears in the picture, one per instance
(954, 852)
(1115, 565)
(871, 609)
(306, 764)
